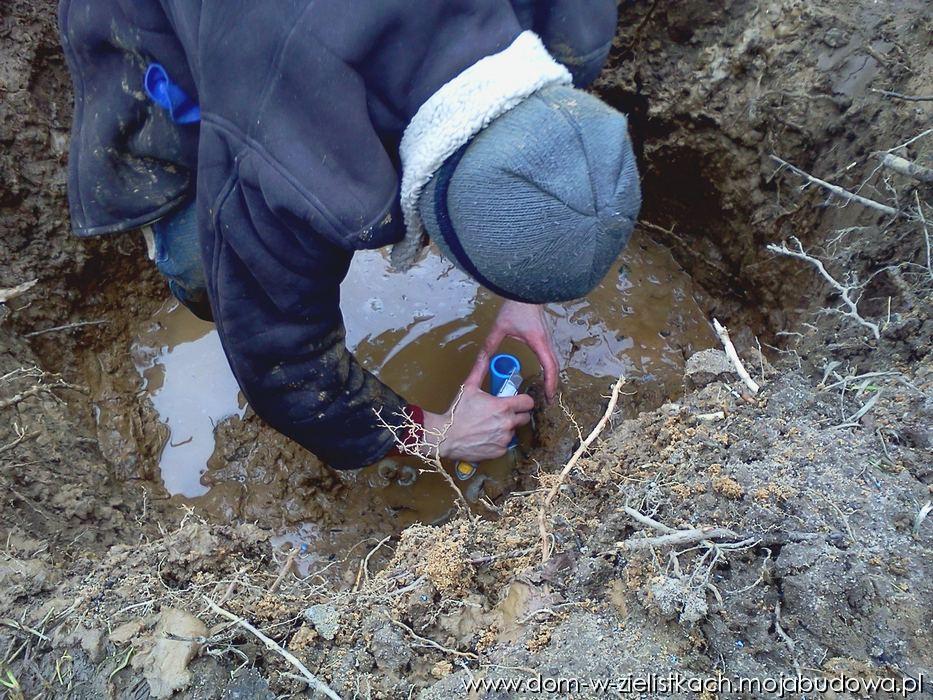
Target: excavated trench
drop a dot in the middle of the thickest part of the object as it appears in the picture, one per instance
(712, 90)
(167, 411)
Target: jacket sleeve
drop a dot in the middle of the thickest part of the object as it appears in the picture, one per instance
(578, 33)
(275, 292)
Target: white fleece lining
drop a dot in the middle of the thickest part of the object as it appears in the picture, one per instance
(459, 110)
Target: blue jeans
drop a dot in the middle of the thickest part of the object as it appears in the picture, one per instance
(177, 256)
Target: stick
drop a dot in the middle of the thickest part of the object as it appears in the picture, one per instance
(926, 232)
(901, 96)
(426, 446)
(838, 191)
(783, 635)
(362, 576)
(584, 446)
(678, 537)
(283, 572)
(852, 312)
(7, 293)
(723, 334)
(38, 389)
(21, 438)
(309, 677)
(66, 327)
(430, 642)
(645, 520)
(906, 167)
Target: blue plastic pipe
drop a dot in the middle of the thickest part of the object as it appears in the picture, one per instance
(501, 368)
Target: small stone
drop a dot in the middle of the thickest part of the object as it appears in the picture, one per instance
(835, 38)
(706, 367)
(164, 660)
(126, 631)
(325, 618)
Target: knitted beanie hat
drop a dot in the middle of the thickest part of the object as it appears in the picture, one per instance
(538, 205)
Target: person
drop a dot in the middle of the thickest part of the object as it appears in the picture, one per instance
(260, 144)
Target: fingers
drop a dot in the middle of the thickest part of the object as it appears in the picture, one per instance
(493, 340)
(520, 419)
(522, 403)
(547, 358)
(481, 366)
(478, 372)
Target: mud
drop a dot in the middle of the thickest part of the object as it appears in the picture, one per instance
(829, 573)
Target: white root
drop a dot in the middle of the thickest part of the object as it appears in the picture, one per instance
(571, 463)
(838, 191)
(678, 537)
(7, 293)
(926, 232)
(922, 515)
(746, 378)
(306, 675)
(843, 290)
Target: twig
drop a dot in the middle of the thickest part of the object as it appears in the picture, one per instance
(922, 515)
(504, 555)
(7, 293)
(309, 677)
(843, 291)
(645, 520)
(571, 463)
(926, 232)
(909, 141)
(38, 389)
(723, 334)
(23, 435)
(905, 167)
(405, 589)
(783, 635)
(901, 96)
(9, 622)
(692, 536)
(283, 572)
(426, 446)
(362, 576)
(66, 327)
(430, 642)
(838, 191)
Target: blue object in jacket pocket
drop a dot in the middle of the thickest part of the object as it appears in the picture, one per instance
(169, 96)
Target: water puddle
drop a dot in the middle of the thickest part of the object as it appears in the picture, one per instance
(185, 374)
(420, 332)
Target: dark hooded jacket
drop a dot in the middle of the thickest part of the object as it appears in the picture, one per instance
(294, 164)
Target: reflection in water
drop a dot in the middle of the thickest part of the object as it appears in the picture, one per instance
(420, 332)
(188, 381)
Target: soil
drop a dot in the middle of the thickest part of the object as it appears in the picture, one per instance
(822, 480)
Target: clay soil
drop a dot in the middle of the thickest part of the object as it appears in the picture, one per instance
(812, 497)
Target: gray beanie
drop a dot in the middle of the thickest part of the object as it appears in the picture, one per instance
(540, 203)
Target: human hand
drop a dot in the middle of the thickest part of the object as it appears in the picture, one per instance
(526, 323)
(477, 426)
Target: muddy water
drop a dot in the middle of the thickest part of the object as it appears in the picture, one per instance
(420, 333)
(184, 373)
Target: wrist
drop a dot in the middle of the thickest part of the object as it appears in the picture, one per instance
(435, 425)
(412, 432)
